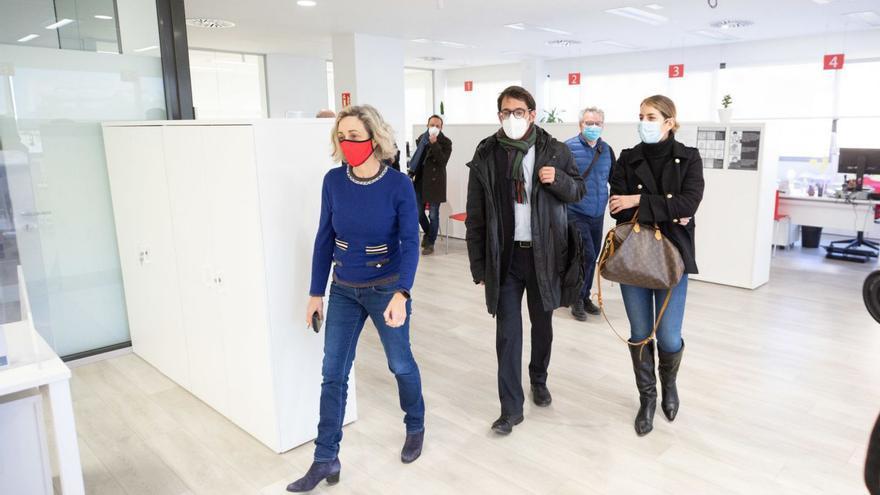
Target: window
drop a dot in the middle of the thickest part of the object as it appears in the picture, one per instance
(228, 85)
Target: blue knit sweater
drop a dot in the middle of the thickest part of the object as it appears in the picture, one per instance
(596, 199)
(369, 230)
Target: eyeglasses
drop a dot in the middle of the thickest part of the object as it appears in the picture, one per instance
(589, 123)
(518, 113)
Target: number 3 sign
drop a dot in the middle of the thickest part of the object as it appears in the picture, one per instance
(834, 62)
(676, 71)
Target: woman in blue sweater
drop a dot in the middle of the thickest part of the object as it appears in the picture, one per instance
(369, 230)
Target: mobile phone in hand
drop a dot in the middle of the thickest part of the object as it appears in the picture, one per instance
(316, 322)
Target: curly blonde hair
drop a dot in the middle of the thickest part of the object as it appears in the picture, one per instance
(380, 132)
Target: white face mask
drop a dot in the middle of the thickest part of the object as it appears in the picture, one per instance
(433, 131)
(515, 128)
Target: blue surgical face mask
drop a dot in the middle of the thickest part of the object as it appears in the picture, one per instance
(592, 132)
(650, 132)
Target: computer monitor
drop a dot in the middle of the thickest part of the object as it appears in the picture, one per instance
(859, 161)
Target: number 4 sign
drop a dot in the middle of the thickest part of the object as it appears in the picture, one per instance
(834, 61)
(676, 71)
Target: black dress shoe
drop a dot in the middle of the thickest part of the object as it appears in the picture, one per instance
(541, 395)
(412, 447)
(591, 308)
(504, 425)
(319, 472)
(577, 310)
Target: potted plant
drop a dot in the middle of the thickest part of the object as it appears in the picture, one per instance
(725, 113)
(552, 116)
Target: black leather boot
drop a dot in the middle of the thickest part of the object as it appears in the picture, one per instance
(319, 472)
(577, 310)
(646, 382)
(412, 447)
(668, 370)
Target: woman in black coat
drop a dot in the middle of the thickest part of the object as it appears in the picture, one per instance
(662, 179)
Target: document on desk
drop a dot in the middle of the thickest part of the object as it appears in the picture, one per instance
(745, 148)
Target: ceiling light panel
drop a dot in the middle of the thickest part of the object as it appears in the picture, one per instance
(639, 15)
(60, 24)
(868, 17)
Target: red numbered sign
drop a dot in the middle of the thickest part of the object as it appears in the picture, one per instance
(346, 100)
(574, 79)
(834, 61)
(468, 85)
(676, 70)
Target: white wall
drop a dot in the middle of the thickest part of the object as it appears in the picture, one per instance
(478, 106)
(295, 84)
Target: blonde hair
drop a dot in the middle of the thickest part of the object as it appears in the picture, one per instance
(379, 131)
(665, 106)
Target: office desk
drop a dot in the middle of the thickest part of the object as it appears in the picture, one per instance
(831, 213)
(33, 364)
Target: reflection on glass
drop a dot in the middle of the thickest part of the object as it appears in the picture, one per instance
(56, 217)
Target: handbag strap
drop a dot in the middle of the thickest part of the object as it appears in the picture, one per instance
(596, 154)
(607, 252)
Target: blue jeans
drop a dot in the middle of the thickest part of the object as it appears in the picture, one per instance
(591, 234)
(641, 305)
(347, 312)
(430, 223)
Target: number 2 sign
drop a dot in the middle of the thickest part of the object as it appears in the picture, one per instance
(676, 71)
(834, 61)
(574, 79)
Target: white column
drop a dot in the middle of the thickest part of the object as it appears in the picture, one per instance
(295, 85)
(534, 79)
(439, 89)
(370, 68)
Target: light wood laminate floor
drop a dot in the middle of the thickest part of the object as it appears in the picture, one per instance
(779, 387)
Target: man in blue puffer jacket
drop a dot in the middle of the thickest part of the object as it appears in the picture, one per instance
(594, 159)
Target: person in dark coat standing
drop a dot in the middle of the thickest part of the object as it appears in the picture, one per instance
(520, 181)
(662, 179)
(428, 170)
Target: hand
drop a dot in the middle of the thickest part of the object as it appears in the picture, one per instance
(482, 283)
(684, 221)
(547, 174)
(620, 203)
(395, 314)
(316, 304)
(432, 139)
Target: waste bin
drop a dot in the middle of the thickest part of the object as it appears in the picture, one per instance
(810, 236)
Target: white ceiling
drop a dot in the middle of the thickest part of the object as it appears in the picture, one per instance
(280, 26)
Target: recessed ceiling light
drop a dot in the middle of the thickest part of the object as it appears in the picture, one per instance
(518, 26)
(731, 24)
(452, 44)
(203, 22)
(421, 40)
(822, 2)
(104, 17)
(616, 44)
(715, 35)
(147, 48)
(307, 3)
(28, 38)
(638, 15)
(554, 31)
(61, 23)
(868, 17)
(563, 43)
(431, 59)
(654, 6)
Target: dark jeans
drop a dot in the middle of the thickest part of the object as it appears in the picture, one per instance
(509, 332)
(348, 310)
(430, 225)
(641, 307)
(591, 233)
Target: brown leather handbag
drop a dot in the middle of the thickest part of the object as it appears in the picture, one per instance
(639, 255)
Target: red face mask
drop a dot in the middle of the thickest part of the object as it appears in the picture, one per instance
(356, 152)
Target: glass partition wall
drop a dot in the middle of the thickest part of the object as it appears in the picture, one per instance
(65, 67)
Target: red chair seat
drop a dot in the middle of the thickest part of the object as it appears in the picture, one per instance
(458, 217)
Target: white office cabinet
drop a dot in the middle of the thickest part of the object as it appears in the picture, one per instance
(242, 202)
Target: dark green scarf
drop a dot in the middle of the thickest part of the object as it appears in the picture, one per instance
(516, 151)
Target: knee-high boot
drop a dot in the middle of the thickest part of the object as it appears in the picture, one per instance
(646, 382)
(668, 370)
